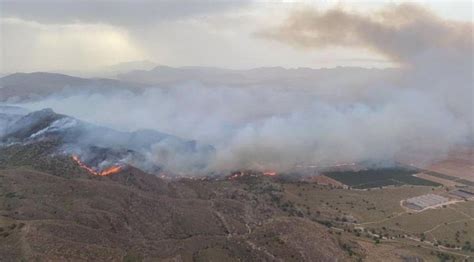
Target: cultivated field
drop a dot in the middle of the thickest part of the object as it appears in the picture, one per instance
(439, 180)
(324, 180)
(373, 178)
(459, 163)
(364, 205)
(377, 214)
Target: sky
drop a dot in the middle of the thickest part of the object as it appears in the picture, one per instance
(88, 35)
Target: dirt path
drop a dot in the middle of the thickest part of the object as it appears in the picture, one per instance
(432, 247)
(252, 245)
(381, 220)
(469, 218)
(24, 246)
(257, 248)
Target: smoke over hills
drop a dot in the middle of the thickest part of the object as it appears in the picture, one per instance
(436, 54)
(102, 147)
(417, 112)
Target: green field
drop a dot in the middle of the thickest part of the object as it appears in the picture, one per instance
(373, 178)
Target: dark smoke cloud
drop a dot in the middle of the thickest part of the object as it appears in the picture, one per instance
(436, 54)
(404, 33)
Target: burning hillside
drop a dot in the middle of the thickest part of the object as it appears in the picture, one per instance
(250, 173)
(105, 172)
(103, 147)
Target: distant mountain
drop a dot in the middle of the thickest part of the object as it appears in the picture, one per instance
(125, 67)
(34, 86)
(275, 76)
(24, 86)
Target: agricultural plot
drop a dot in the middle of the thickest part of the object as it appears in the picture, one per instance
(454, 233)
(452, 178)
(373, 178)
(377, 212)
(466, 208)
(423, 222)
(364, 206)
(443, 181)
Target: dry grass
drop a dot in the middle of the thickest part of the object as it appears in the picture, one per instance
(364, 205)
(459, 163)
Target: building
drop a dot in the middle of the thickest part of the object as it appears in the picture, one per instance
(425, 201)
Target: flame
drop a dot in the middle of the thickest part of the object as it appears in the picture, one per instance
(236, 175)
(111, 170)
(240, 174)
(106, 172)
(270, 173)
(84, 166)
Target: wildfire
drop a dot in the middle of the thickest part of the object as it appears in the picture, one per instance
(111, 170)
(270, 173)
(106, 172)
(237, 175)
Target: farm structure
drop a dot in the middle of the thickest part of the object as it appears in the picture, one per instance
(425, 201)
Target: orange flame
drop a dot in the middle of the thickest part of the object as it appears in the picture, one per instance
(245, 174)
(236, 175)
(270, 173)
(111, 170)
(106, 172)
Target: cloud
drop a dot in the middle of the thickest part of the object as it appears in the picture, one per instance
(183, 33)
(119, 13)
(176, 33)
(29, 46)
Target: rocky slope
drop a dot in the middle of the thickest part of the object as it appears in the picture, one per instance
(134, 216)
(97, 145)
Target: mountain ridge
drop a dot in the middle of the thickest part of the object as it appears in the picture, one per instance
(89, 141)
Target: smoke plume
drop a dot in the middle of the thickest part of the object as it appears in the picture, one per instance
(422, 110)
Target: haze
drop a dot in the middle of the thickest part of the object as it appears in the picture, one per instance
(83, 37)
(409, 98)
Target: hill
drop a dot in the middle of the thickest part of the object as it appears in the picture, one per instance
(99, 146)
(134, 216)
(275, 76)
(31, 86)
(54, 207)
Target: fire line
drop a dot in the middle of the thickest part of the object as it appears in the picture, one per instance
(106, 172)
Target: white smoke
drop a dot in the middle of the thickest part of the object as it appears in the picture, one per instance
(423, 110)
(271, 128)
